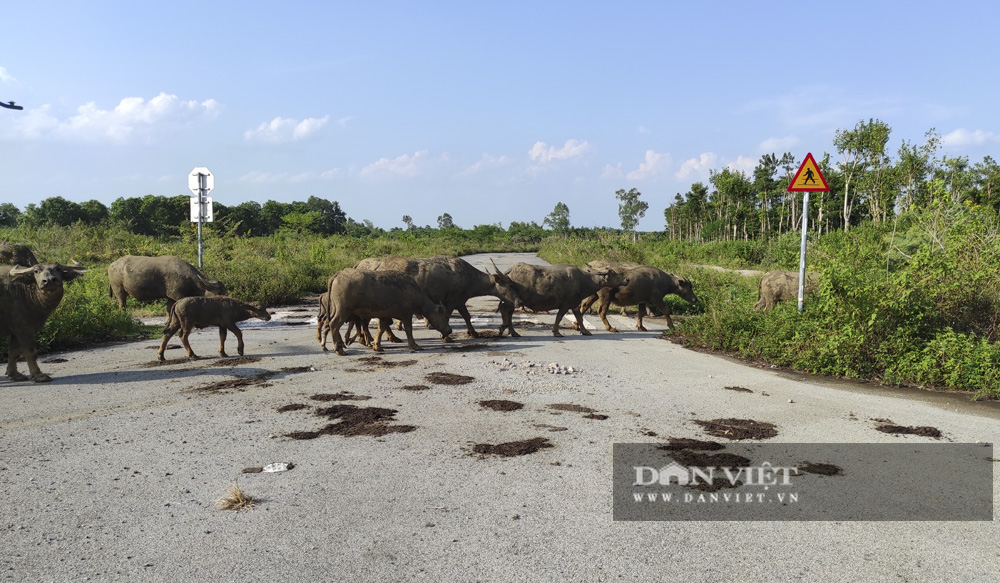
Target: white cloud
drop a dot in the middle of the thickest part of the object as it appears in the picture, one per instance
(405, 166)
(282, 130)
(645, 130)
(542, 152)
(264, 177)
(775, 145)
(963, 137)
(132, 116)
(612, 171)
(654, 164)
(486, 162)
(697, 166)
(5, 76)
(743, 164)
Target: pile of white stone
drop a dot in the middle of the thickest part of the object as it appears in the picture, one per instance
(532, 367)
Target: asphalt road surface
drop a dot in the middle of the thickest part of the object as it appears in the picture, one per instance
(112, 471)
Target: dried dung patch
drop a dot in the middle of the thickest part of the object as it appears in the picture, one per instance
(235, 361)
(297, 369)
(922, 431)
(238, 383)
(415, 388)
(355, 421)
(299, 310)
(513, 448)
(293, 323)
(300, 315)
(256, 470)
(470, 346)
(552, 428)
(738, 389)
(680, 443)
(501, 405)
(292, 407)
(54, 361)
(447, 378)
(573, 408)
(157, 347)
(341, 396)
(595, 416)
(172, 361)
(488, 334)
(821, 469)
(738, 428)
(303, 434)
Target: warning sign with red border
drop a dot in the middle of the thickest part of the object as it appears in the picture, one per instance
(809, 178)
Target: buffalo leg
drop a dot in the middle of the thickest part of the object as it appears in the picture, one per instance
(13, 353)
(408, 328)
(464, 312)
(579, 321)
(507, 319)
(239, 338)
(602, 311)
(184, 334)
(587, 302)
(222, 342)
(168, 333)
(27, 350)
(663, 308)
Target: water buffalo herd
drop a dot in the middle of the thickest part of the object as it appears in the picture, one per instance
(386, 289)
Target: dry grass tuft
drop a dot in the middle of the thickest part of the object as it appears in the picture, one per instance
(236, 500)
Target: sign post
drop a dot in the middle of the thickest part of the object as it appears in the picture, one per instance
(807, 179)
(201, 182)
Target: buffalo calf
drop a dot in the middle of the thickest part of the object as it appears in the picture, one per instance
(204, 311)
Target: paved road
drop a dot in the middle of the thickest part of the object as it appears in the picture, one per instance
(112, 471)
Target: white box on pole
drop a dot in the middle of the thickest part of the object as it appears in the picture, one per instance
(206, 214)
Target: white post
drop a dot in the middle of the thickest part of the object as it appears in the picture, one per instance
(802, 250)
(201, 213)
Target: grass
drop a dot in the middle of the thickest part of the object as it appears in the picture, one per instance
(236, 500)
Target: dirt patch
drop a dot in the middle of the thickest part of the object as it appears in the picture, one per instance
(681, 443)
(513, 448)
(172, 361)
(299, 310)
(501, 405)
(256, 470)
(595, 416)
(292, 407)
(342, 396)
(415, 387)
(470, 346)
(374, 362)
(821, 469)
(572, 408)
(238, 384)
(447, 378)
(235, 361)
(157, 347)
(54, 361)
(300, 315)
(738, 428)
(738, 389)
(488, 334)
(293, 322)
(922, 431)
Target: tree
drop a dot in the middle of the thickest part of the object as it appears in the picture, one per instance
(445, 222)
(860, 147)
(408, 221)
(9, 214)
(244, 218)
(93, 212)
(630, 209)
(331, 218)
(558, 219)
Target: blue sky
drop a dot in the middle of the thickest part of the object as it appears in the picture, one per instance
(491, 112)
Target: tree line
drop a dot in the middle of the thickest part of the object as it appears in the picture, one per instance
(866, 184)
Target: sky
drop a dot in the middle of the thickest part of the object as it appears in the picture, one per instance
(490, 112)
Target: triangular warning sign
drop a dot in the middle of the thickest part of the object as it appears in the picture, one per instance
(808, 178)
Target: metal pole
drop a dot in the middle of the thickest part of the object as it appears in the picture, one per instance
(802, 250)
(201, 213)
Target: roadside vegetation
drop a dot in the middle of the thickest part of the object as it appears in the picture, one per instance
(906, 248)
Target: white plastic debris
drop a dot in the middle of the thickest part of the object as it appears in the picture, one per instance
(277, 467)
